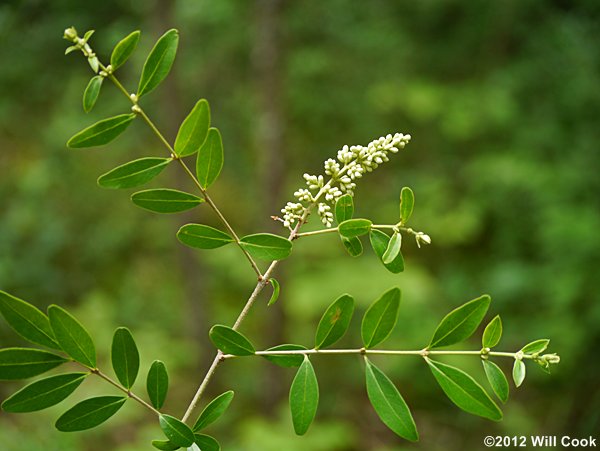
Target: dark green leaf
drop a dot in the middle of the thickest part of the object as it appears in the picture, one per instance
(535, 347)
(354, 227)
(464, 391)
(193, 130)
(492, 333)
(213, 410)
(379, 243)
(202, 236)
(164, 445)
(289, 360)
(133, 173)
(125, 357)
(266, 246)
(344, 208)
(124, 49)
(389, 404)
(352, 245)
(26, 320)
(44, 393)
(22, 363)
(380, 318)
(518, 372)
(72, 336)
(176, 431)
(101, 132)
(206, 442)
(275, 294)
(157, 383)
(460, 323)
(230, 341)
(393, 249)
(89, 413)
(159, 62)
(91, 93)
(407, 202)
(210, 158)
(304, 397)
(497, 379)
(165, 200)
(335, 321)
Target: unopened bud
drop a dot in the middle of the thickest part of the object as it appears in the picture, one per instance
(70, 34)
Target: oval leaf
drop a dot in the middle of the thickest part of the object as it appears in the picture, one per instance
(193, 130)
(157, 383)
(497, 379)
(380, 318)
(352, 245)
(213, 410)
(492, 333)
(344, 208)
(286, 360)
(22, 363)
(266, 246)
(125, 357)
(159, 62)
(379, 243)
(72, 336)
(335, 321)
(44, 393)
(26, 320)
(206, 442)
(535, 347)
(124, 49)
(276, 289)
(91, 93)
(304, 397)
(134, 173)
(165, 200)
(393, 249)
(518, 372)
(354, 227)
(230, 341)
(210, 159)
(89, 413)
(460, 323)
(389, 404)
(202, 236)
(407, 202)
(176, 431)
(164, 445)
(101, 132)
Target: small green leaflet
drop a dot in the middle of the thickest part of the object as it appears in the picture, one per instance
(72, 336)
(164, 445)
(165, 200)
(213, 410)
(492, 333)
(393, 249)
(44, 393)
(125, 357)
(101, 132)
(335, 321)
(289, 360)
(159, 62)
(460, 323)
(266, 246)
(344, 208)
(518, 372)
(379, 243)
(26, 320)
(230, 341)
(380, 318)
(464, 391)
(407, 202)
(157, 383)
(22, 363)
(91, 93)
(176, 431)
(497, 379)
(535, 347)
(276, 289)
(354, 227)
(352, 245)
(304, 397)
(133, 173)
(389, 404)
(193, 130)
(202, 236)
(124, 49)
(206, 442)
(89, 413)
(210, 159)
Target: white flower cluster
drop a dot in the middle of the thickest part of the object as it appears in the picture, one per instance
(352, 163)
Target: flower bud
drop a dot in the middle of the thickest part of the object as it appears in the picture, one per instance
(70, 34)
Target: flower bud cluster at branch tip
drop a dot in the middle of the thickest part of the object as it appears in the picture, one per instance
(70, 34)
(351, 164)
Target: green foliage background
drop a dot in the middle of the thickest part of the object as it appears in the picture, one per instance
(502, 100)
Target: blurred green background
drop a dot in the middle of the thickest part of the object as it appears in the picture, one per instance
(501, 99)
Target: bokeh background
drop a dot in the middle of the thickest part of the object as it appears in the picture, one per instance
(502, 100)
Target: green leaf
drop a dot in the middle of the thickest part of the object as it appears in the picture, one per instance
(125, 357)
(497, 379)
(344, 208)
(354, 227)
(380, 318)
(230, 341)
(164, 445)
(206, 442)
(72, 336)
(101, 132)
(407, 202)
(89, 413)
(202, 236)
(266, 246)
(352, 245)
(286, 360)
(379, 243)
(133, 173)
(159, 62)
(194, 130)
(460, 323)
(276, 289)
(464, 391)
(518, 372)
(176, 431)
(393, 249)
(124, 49)
(44, 393)
(26, 320)
(535, 347)
(91, 93)
(165, 200)
(22, 363)
(157, 383)
(335, 321)
(492, 333)
(210, 159)
(304, 397)
(389, 404)
(213, 410)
